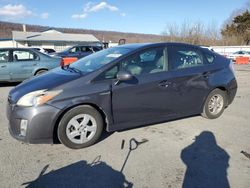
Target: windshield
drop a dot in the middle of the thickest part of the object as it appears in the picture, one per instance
(97, 60)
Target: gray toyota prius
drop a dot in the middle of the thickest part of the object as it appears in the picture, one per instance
(120, 88)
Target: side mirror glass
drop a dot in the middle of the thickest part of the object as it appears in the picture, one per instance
(123, 76)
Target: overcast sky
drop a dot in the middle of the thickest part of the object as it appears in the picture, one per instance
(142, 16)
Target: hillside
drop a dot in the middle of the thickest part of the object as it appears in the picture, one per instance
(7, 27)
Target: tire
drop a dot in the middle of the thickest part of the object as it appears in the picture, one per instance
(40, 72)
(75, 132)
(221, 100)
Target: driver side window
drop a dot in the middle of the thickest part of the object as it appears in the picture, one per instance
(74, 50)
(146, 62)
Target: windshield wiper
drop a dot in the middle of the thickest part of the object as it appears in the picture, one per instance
(68, 67)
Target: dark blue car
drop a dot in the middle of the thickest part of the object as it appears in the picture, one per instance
(119, 88)
(78, 51)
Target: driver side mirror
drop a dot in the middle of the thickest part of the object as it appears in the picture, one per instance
(123, 76)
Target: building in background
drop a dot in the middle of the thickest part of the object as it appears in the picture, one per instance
(48, 39)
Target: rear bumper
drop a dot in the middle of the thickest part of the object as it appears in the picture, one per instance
(41, 121)
(232, 90)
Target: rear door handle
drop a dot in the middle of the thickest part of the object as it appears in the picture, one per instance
(164, 84)
(3, 66)
(206, 74)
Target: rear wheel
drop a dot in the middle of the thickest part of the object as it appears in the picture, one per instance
(40, 72)
(215, 104)
(80, 127)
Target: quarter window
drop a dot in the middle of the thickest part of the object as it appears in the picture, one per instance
(22, 55)
(146, 62)
(109, 74)
(209, 57)
(4, 56)
(182, 57)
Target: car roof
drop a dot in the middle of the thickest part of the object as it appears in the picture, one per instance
(87, 45)
(130, 46)
(142, 45)
(15, 48)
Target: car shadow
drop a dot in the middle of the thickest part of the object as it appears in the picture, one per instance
(206, 163)
(156, 122)
(9, 84)
(104, 136)
(97, 174)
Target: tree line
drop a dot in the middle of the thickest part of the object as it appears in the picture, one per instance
(236, 32)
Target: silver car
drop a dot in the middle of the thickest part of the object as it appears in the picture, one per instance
(18, 64)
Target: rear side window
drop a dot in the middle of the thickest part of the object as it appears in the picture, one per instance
(182, 57)
(24, 55)
(4, 56)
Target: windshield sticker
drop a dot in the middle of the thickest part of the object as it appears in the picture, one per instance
(114, 55)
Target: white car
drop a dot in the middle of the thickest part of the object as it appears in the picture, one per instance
(241, 53)
(208, 47)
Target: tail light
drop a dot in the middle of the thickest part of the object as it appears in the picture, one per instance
(62, 63)
(231, 65)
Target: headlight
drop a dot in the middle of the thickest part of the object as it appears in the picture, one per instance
(37, 98)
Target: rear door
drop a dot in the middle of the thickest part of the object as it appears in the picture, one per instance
(23, 64)
(4, 65)
(190, 78)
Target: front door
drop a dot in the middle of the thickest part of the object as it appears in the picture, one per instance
(23, 64)
(4, 65)
(145, 98)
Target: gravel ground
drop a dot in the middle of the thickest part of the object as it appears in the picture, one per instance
(186, 152)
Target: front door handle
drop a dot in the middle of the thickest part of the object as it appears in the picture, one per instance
(164, 84)
(2, 66)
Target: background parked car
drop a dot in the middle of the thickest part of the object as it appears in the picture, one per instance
(78, 51)
(49, 50)
(234, 55)
(45, 50)
(208, 47)
(18, 64)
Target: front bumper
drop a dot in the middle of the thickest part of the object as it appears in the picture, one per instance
(41, 121)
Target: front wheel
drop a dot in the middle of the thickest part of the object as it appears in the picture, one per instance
(80, 127)
(215, 104)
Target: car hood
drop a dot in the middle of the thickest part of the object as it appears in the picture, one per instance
(48, 81)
